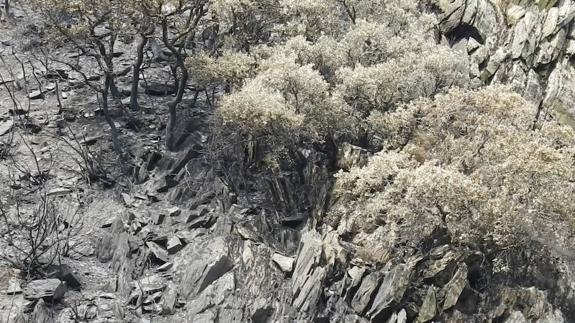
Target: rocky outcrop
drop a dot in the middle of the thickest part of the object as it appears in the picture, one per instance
(526, 44)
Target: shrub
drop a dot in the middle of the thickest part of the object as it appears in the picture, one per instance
(34, 237)
(472, 164)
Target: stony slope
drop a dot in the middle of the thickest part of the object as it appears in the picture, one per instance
(183, 248)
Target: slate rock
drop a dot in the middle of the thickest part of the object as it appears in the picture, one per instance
(202, 263)
(174, 245)
(42, 313)
(5, 127)
(283, 262)
(49, 289)
(159, 253)
(391, 290)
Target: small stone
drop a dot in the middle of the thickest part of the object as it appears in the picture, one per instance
(35, 95)
(128, 200)
(158, 252)
(165, 267)
(158, 218)
(174, 211)
(52, 289)
(107, 296)
(13, 287)
(6, 127)
(60, 191)
(149, 284)
(201, 222)
(197, 213)
(154, 298)
(174, 245)
(283, 262)
(108, 222)
(88, 141)
(169, 299)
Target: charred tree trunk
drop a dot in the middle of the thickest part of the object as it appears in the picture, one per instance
(109, 87)
(181, 88)
(105, 108)
(134, 105)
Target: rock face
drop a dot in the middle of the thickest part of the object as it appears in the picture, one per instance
(527, 44)
(218, 258)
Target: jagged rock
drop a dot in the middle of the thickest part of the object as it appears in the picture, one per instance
(308, 257)
(200, 211)
(213, 295)
(158, 218)
(202, 263)
(399, 317)
(363, 296)
(516, 317)
(5, 127)
(174, 211)
(49, 289)
(392, 289)
(310, 292)
(439, 271)
(514, 13)
(283, 262)
(205, 317)
(169, 298)
(159, 253)
(128, 200)
(42, 313)
(205, 221)
(428, 309)
(35, 95)
(454, 287)
(149, 284)
(165, 267)
(13, 286)
(174, 245)
(152, 298)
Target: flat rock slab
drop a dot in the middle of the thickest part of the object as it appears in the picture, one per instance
(174, 245)
(35, 95)
(53, 289)
(283, 262)
(5, 127)
(159, 253)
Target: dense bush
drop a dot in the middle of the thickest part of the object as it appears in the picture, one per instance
(333, 75)
(469, 162)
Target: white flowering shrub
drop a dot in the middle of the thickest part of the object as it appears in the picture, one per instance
(340, 69)
(471, 163)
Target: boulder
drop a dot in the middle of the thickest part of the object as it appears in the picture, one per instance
(49, 289)
(202, 263)
(391, 290)
(365, 292)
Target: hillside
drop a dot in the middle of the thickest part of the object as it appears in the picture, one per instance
(287, 161)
